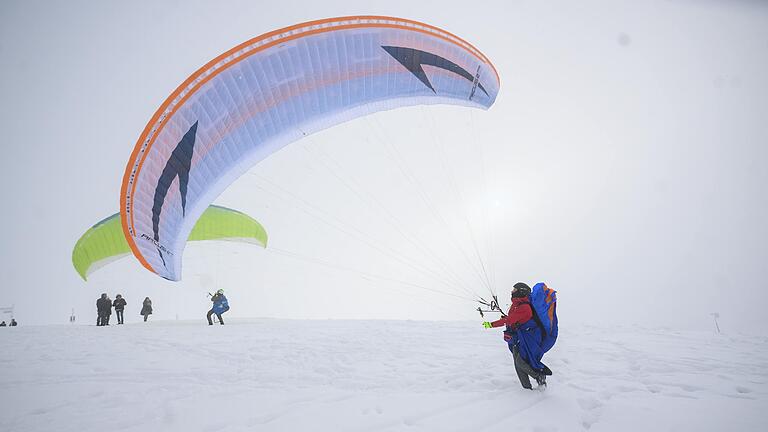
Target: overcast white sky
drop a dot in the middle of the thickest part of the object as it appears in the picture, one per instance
(623, 163)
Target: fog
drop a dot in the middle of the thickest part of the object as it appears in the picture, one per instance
(623, 163)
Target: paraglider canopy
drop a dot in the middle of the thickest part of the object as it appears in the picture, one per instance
(272, 90)
(104, 242)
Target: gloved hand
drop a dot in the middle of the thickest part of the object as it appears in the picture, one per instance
(486, 324)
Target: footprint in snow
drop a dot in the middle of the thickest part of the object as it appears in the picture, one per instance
(687, 387)
(653, 388)
(591, 407)
(681, 395)
(580, 388)
(624, 388)
(589, 403)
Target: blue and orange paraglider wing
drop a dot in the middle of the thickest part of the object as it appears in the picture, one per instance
(272, 90)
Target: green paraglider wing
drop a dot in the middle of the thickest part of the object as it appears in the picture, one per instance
(100, 245)
(104, 242)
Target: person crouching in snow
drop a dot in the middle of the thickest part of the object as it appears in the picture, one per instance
(523, 335)
(220, 305)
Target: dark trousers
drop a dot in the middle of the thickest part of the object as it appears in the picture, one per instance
(119, 314)
(210, 313)
(103, 319)
(524, 370)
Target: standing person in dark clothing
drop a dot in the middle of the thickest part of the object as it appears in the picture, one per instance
(146, 308)
(13, 322)
(119, 305)
(220, 305)
(103, 307)
(99, 310)
(107, 310)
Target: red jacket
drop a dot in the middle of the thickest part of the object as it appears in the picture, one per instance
(519, 312)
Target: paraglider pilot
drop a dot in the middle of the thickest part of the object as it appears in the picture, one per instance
(523, 337)
(220, 305)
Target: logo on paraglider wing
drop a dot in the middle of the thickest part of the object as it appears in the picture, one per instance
(178, 165)
(157, 244)
(414, 59)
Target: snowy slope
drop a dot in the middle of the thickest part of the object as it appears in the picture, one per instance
(290, 375)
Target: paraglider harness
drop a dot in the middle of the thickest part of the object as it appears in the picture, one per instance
(493, 306)
(546, 340)
(536, 319)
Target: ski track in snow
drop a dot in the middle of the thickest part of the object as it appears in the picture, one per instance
(284, 375)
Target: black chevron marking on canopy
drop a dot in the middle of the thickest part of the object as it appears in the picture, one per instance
(179, 164)
(414, 59)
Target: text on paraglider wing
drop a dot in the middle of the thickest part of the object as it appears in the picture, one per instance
(156, 243)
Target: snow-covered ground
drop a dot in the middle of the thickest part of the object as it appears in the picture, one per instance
(291, 375)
